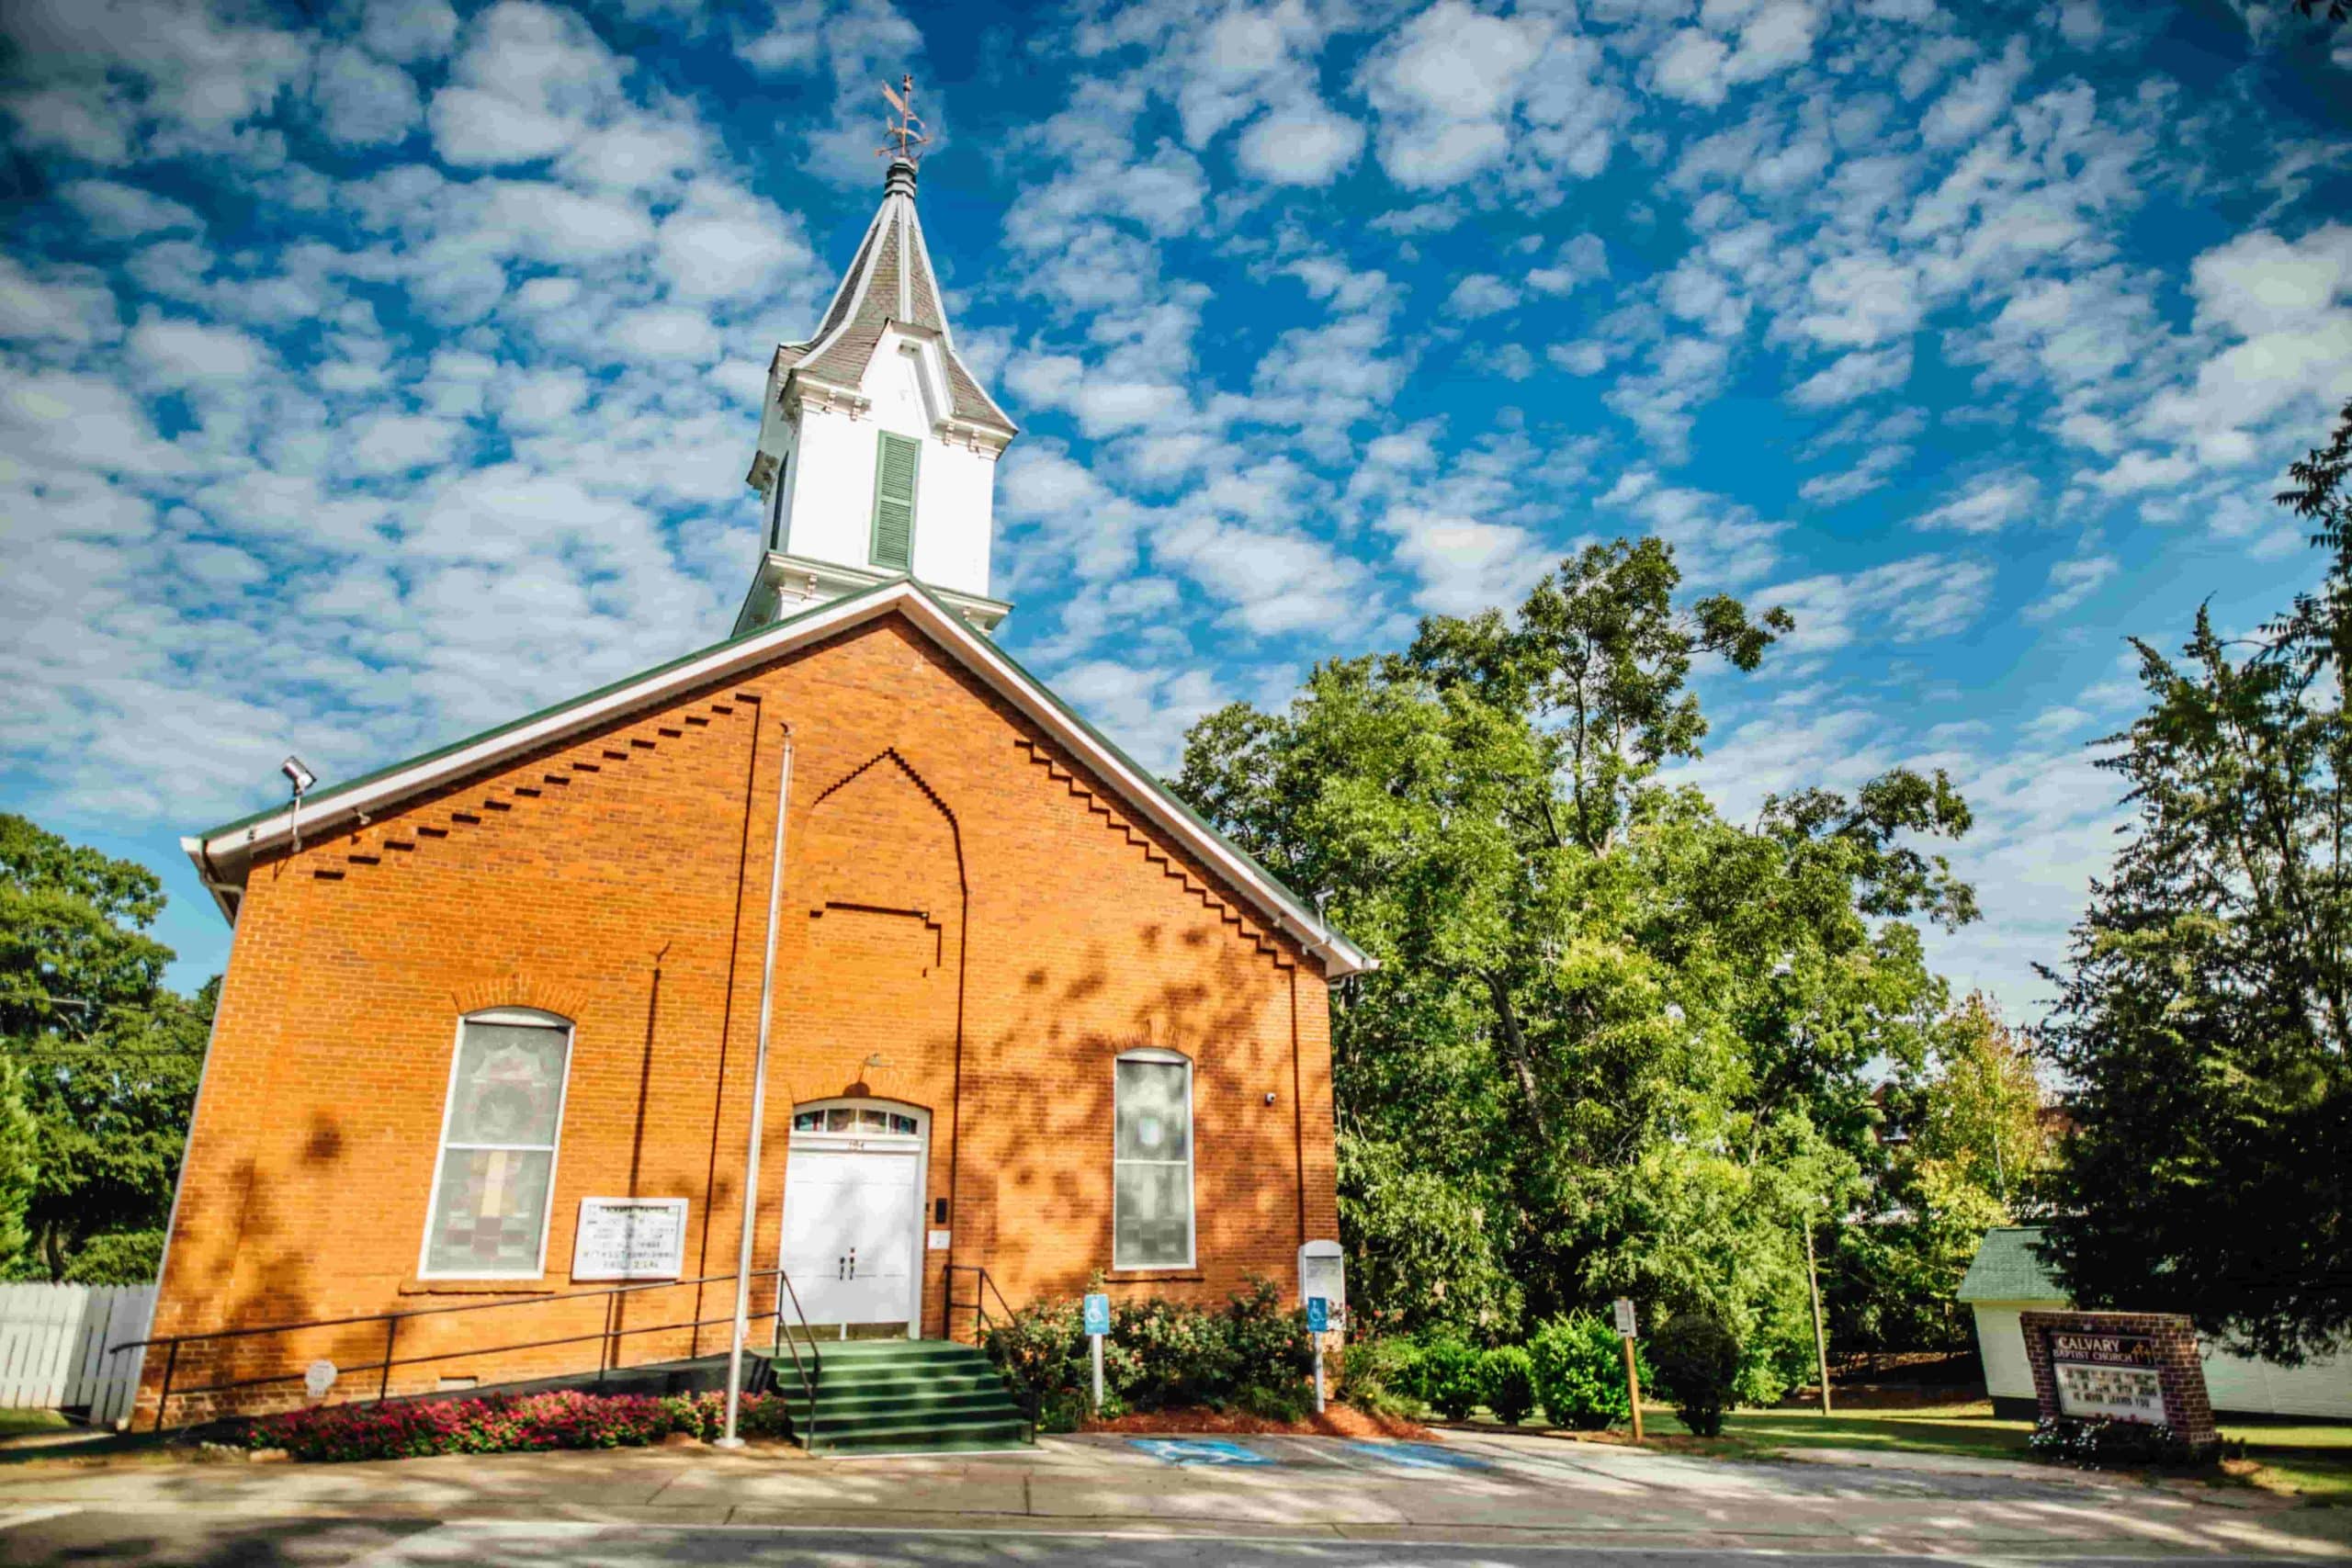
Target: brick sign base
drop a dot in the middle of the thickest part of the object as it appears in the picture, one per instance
(2116, 1350)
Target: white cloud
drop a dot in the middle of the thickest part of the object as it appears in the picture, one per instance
(1445, 85)
(1912, 600)
(393, 444)
(722, 243)
(1480, 294)
(1853, 376)
(2071, 582)
(1987, 504)
(530, 80)
(1306, 146)
(362, 101)
(117, 211)
(179, 353)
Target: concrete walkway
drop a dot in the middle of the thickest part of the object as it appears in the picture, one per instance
(1496, 1489)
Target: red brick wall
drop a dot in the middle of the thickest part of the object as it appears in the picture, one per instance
(959, 901)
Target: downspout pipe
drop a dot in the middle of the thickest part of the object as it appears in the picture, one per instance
(759, 1110)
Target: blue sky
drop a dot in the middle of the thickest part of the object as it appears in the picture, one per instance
(369, 374)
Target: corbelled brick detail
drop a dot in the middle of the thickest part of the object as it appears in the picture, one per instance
(952, 936)
(1153, 850)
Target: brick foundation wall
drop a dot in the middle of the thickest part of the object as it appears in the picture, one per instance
(970, 924)
(2180, 1371)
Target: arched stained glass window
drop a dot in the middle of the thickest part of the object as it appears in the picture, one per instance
(489, 1212)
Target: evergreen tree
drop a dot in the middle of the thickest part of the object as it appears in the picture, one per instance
(2204, 1019)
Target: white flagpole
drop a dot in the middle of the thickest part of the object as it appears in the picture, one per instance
(759, 1111)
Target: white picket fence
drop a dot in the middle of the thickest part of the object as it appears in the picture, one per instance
(53, 1341)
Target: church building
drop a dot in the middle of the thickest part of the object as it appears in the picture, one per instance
(502, 1024)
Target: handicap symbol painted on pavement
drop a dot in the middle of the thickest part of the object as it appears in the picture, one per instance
(1420, 1456)
(1198, 1450)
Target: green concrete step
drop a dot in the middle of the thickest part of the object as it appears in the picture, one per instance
(916, 1397)
(922, 1395)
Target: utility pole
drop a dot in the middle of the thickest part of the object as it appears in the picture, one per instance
(1820, 1334)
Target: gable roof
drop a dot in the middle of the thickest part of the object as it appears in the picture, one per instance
(224, 854)
(2007, 1267)
(889, 282)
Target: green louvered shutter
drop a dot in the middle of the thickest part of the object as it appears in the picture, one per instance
(894, 502)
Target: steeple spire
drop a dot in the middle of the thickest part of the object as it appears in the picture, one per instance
(877, 445)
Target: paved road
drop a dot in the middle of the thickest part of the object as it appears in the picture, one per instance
(1513, 1502)
(123, 1540)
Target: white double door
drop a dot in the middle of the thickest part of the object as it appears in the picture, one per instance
(850, 1210)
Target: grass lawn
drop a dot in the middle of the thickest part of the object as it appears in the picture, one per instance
(2312, 1460)
(22, 1423)
(1968, 1429)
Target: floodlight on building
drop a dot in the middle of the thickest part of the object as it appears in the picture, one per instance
(298, 774)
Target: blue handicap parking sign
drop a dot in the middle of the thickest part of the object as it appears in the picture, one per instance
(1420, 1456)
(1198, 1450)
(1098, 1314)
(1318, 1314)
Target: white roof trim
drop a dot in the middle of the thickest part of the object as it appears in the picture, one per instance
(237, 846)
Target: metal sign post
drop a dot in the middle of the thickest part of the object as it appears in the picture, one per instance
(1097, 1324)
(1318, 1322)
(1624, 1309)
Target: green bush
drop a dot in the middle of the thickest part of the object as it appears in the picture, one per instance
(1043, 1356)
(1448, 1377)
(1698, 1356)
(1580, 1365)
(1381, 1375)
(1159, 1355)
(1508, 1376)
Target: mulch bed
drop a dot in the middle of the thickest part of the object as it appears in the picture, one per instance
(1338, 1421)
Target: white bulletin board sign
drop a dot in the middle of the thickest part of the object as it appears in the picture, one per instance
(1323, 1271)
(630, 1239)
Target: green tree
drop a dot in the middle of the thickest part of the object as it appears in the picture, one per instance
(2203, 1017)
(1615, 1043)
(18, 1170)
(1967, 1142)
(106, 1056)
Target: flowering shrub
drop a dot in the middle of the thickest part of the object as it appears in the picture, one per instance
(1159, 1355)
(2095, 1444)
(510, 1423)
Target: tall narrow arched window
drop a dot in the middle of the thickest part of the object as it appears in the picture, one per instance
(489, 1213)
(1151, 1161)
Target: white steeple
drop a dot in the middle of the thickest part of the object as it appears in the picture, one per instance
(878, 447)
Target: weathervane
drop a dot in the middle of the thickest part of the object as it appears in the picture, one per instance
(906, 129)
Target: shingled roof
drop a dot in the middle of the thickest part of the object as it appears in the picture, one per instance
(2009, 1268)
(891, 281)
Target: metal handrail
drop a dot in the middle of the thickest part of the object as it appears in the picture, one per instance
(982, 1285)
(392, 1320)
(808, 1381)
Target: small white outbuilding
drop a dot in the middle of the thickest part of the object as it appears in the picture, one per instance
(2008, 1276)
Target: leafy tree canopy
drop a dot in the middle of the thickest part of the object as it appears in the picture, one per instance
(103, 1057)
(1615, 1043)
(2204, 1006)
